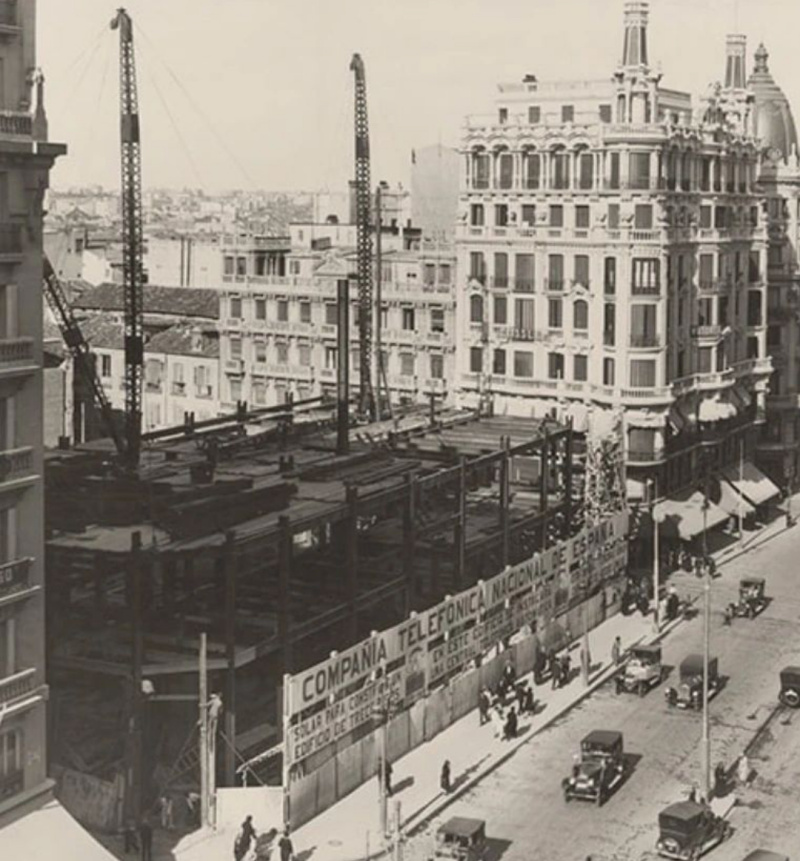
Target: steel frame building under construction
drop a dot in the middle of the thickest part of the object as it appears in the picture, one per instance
(258, 534)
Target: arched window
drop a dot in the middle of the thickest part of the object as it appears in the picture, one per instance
(476, 308)
(580, 314)
(481, 168)
(504, 176)
(559, 168)
(533, 169)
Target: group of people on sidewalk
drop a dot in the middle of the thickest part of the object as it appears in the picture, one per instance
(247, 839)
(493, 707)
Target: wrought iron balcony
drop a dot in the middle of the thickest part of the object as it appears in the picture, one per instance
(16, 686)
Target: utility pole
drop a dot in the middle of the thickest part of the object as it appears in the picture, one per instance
(656, 550)
(741, 481)
(379, 376)
(203, 703)
(706, 754)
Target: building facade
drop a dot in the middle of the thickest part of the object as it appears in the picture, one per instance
(612, 255)
(779, 178)
(25, 161)
(278, 332)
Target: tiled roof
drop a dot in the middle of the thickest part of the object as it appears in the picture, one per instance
(179, 301)
(102, 331)
(184, 341)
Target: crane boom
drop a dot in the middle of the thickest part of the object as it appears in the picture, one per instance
(132, 240)
(79, 350)
(363, 240)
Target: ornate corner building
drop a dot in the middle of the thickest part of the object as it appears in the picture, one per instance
(779, 180)
(612, 253)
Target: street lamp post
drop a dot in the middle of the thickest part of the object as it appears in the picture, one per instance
(656, 559)
(706, 752)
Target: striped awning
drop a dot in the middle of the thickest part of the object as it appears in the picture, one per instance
(688, 514)
(748, 480)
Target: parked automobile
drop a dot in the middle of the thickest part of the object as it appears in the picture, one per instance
(462, 839)
(600, 768)
(766, 855)
(686, 830)
(790, 687)
(689, 693)
(643, 670)
(751, 597)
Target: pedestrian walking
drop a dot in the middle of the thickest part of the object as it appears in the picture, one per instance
(566, 667)
(693, 794)
(556, 674)
(484, 704)
(166, 810)
(720, 780)
(146, 840)
(520, 698)
(530, 705)
(285, 846)
(509, 675)
(497, 722)
(616, 651)
(387, 775)
(244, 839)
(743, 769)
(510, 728)
(444, 780)
(131, 839)
(193, 807)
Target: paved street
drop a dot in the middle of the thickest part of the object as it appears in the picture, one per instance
(522, 800)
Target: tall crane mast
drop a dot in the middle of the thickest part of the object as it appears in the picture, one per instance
(132, 239)
(363, 241)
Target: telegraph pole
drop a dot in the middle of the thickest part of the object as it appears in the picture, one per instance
(706, 753)
(656, 560)
(204, 782)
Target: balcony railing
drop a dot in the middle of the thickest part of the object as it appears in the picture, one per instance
(640, 290)
(16, 463)
(16, 351)
(10, 237)
(14, 576)
(706, 331)
(555, 284)
(608, 339)
(644, 341)
(524, 285)
(15, 123)
(16, 686)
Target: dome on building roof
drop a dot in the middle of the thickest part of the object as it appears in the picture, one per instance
(774, 122)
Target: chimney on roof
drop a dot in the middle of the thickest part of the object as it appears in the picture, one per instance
(735, 55)
(634, 50)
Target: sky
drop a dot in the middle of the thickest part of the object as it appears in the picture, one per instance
(257, 94)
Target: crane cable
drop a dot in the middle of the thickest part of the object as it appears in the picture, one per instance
(231, 154)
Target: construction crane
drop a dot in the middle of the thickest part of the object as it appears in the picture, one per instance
(132, 239)
(79, 349)
(363, 241)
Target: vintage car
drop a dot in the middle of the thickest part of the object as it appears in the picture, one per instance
(461, 839)
(687, 829)
(765, 855)
(642, 671)
(600, 768)
(689, 693)
(790, 687)
(751, 597)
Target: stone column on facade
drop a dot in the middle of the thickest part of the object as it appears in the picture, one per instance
(624, 167)
(517, 162)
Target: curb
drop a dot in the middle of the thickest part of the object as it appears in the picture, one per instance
(419, 819)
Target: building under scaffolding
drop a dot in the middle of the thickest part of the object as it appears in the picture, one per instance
(256, 532)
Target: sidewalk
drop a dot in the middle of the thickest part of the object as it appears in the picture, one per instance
(350, 829)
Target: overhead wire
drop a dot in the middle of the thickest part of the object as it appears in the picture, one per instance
(209, 125)
(175, 126)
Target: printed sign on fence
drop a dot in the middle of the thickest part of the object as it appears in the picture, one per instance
(337, 720)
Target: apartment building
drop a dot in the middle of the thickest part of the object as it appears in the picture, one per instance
(612, 254)
(25, 162)
(779, 179)
(278, 333)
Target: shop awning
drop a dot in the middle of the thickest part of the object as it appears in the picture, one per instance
(733, 502)
(50, 832)
(748, 480)
(684, 515)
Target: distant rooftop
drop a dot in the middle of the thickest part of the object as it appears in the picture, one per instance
(177, 301)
